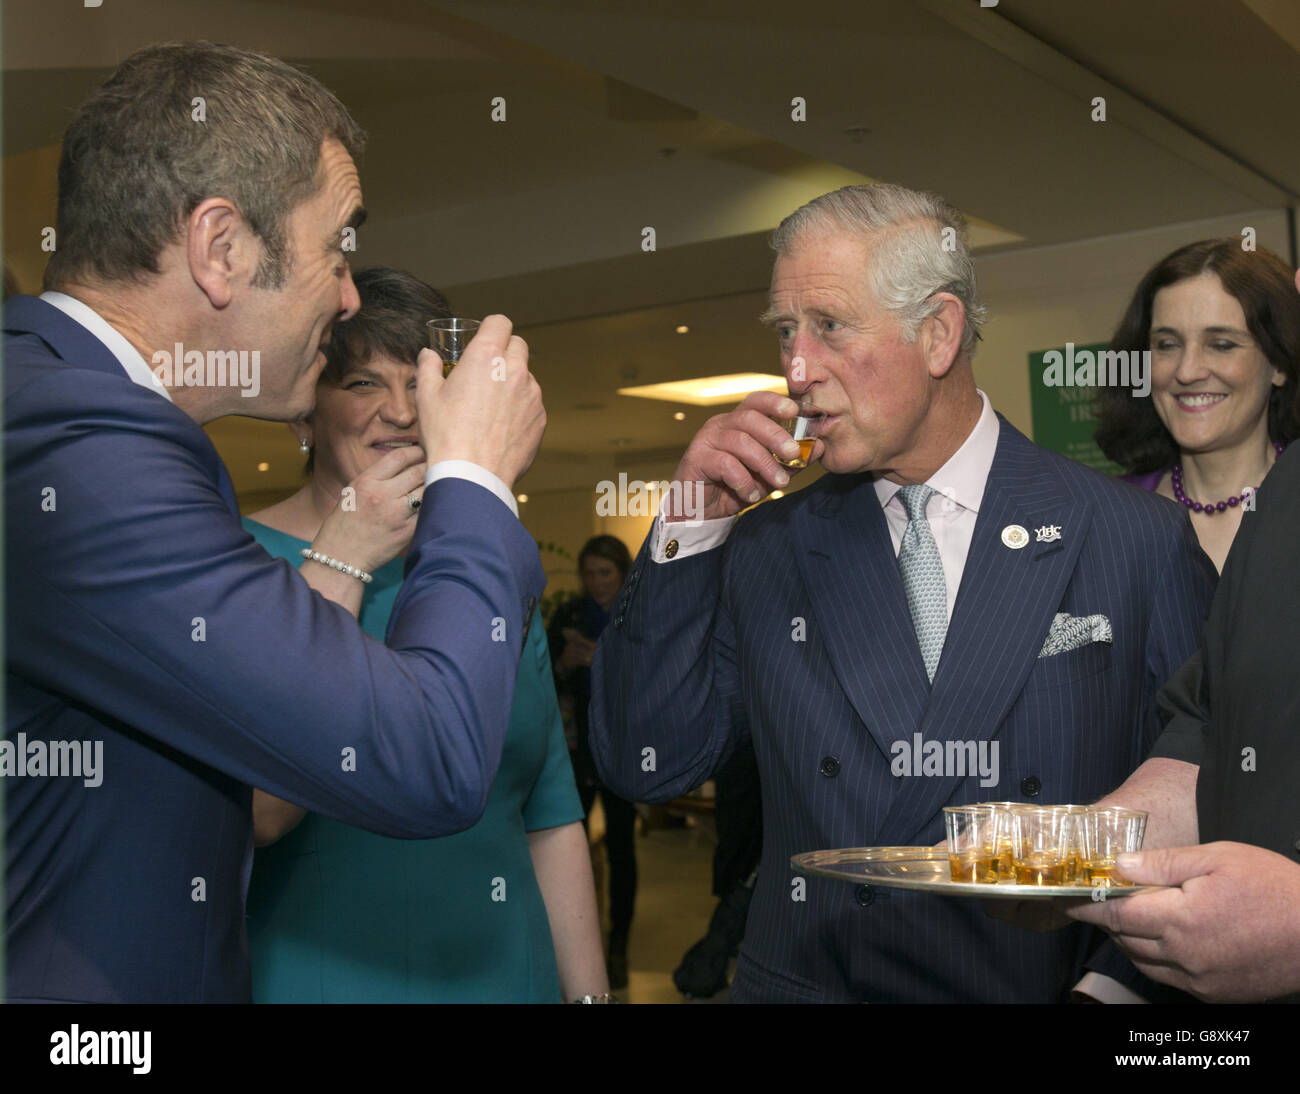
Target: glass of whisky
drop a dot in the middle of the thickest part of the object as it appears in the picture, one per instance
(449, 337)
(1076, 856)
(972, 850)
(1004, 836)
(1106, 834)
(1041, 846)
(803, 429)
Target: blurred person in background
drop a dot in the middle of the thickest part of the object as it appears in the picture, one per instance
(578, 623)
(738, 811)
(337, 914)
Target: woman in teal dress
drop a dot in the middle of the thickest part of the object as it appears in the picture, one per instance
(503, 912)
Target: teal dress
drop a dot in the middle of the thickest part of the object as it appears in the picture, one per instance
(340, 915)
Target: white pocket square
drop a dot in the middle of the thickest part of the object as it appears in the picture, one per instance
(1070, 632)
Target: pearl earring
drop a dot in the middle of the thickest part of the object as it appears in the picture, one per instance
(303, 446)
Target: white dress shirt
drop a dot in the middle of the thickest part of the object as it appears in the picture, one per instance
(139, 372)
(127, 355)
(954, 508)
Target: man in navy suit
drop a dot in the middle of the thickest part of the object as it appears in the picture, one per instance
(159, 662)
(949, 588)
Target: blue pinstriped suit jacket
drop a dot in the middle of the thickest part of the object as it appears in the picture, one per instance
(700, 653)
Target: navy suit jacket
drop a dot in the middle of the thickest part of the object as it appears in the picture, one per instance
(141, 615)
(796, 632)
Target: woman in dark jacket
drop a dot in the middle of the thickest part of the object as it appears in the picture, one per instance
(603, 563)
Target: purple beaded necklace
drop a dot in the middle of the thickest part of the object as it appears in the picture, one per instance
(1210, 507)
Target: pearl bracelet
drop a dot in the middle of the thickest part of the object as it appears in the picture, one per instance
(335, 564)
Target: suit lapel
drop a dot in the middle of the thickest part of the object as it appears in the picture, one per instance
(1005, 606)
(71, 342)
(850, 573)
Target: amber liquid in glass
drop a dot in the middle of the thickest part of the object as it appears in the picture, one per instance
(980, 870)
(1102, 874)
(1006, 868)
(1074, 866)
(1041, 872)
(805, 454)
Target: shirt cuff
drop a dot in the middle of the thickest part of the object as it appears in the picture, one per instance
(463, 469)
(1105, 990)
(686, 537)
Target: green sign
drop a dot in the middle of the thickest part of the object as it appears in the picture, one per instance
(1063, 412)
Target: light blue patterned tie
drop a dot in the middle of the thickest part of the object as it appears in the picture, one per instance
(922, 570)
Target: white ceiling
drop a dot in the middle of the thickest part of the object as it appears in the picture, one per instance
(678, 116)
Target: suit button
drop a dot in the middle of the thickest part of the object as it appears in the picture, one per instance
(864, 895)
(619, 621)
(670, 549)
(1030, 786)
(830, 766)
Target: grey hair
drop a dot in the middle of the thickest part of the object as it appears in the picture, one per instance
(137, 160)
(909, 261)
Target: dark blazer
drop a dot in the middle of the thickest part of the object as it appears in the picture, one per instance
(1241, 691)
(705, 650)
(141, 615)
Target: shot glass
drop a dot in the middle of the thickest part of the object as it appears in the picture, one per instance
(1042, 840)
(1076, 855)
(1106, 834)
(449, 337)
(803, 430)
(1004, 836)
(971, 843)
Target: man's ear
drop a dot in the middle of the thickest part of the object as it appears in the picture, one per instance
(940, 335)
(222, 251)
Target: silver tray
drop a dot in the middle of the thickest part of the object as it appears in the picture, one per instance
(925, 869)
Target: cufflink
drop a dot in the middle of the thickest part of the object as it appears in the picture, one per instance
(670, 548)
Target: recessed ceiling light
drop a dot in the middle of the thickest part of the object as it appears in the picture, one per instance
(680, 416)
(683, 329)
(521, 498)
(778, 493)
(264, 467)
(709, 390)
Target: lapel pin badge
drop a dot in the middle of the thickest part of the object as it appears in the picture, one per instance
(1014, 536)
(1048, 533)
